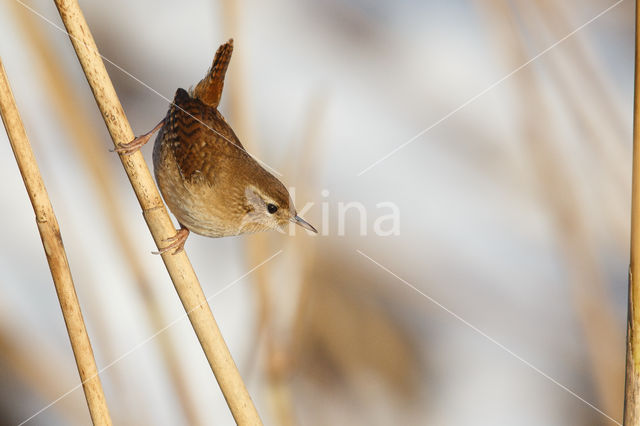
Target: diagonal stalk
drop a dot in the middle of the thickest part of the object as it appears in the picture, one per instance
(632, 382)
(56, 255)
(157, 218)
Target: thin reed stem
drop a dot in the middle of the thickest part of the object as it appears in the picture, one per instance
(632, 382)
(157, 218)
(84, 137)
(56, 256)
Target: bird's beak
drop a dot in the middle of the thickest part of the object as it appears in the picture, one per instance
(306, 225)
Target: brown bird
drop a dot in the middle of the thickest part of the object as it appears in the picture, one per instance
(209, 181)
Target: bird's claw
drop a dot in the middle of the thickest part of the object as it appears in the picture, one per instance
(133, 146)
(177, 242)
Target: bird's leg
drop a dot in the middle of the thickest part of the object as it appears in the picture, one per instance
(177, 241)
(131, 147)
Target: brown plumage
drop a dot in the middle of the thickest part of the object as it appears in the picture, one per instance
(208, 180)
(209, 90)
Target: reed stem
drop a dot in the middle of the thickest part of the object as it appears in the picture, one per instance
(84, 137)
(180, 270)
(56, 256)
(632, 382)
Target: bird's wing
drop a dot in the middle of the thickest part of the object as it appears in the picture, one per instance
(198, 137)
(209, 90)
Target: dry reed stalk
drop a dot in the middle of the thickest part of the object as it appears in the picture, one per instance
(85, 138)
(56, 256)
(632, 383)
(157, 218)
(558, 188)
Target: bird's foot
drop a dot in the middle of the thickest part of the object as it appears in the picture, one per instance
(177, 242)
(133, 146)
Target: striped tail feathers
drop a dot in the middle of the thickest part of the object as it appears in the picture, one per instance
(209, 89)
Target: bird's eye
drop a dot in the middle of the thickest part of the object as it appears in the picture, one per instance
(272, 208)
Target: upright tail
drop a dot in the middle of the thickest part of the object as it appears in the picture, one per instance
(209, 90)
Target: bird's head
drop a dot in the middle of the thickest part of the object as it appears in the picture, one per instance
(268, 205)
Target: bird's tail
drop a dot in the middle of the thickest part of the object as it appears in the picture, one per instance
(209, 90)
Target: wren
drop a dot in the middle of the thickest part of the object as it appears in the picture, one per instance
(208, 180)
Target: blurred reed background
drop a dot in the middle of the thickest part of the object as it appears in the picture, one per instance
(514, 213)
